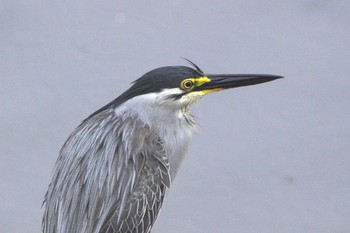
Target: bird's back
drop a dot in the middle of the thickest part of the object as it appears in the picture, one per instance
(111, 176)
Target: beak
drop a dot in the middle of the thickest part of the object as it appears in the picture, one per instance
(220, 82)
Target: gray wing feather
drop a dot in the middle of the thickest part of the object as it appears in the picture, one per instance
(111, 176)
(143, 205)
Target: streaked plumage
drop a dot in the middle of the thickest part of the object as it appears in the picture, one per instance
(113, 171)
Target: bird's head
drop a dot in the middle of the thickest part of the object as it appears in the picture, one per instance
(182, 86)
(179, 86)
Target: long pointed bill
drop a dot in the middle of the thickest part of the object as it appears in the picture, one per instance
(220, 82)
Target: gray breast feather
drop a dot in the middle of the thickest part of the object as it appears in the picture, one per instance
(111, 176)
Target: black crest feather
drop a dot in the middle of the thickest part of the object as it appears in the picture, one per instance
(193, 64)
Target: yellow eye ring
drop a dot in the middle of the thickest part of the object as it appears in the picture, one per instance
(187, 84)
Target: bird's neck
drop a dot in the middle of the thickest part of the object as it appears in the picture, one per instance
(172, 124)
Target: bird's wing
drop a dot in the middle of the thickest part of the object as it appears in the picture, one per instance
(142, 206)
(111, 175)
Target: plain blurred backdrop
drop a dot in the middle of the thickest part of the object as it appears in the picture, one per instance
(268, 158)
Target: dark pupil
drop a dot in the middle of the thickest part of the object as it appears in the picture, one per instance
(188, 84)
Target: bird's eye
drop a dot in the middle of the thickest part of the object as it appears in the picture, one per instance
(187, 84)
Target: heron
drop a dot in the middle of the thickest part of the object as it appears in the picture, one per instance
(113, 171)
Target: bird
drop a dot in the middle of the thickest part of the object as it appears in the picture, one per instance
(113, 171)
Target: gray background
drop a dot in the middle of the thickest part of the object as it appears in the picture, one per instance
(267, 158)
